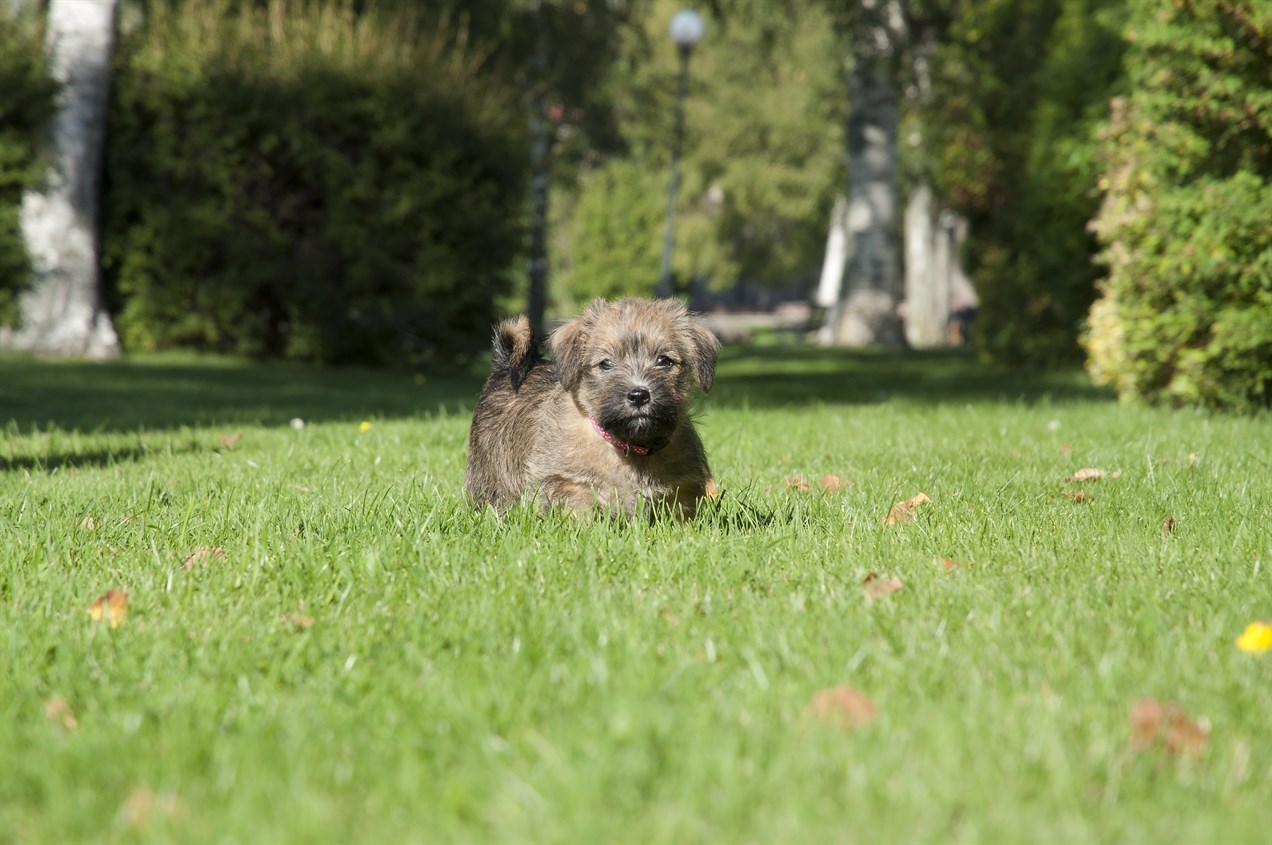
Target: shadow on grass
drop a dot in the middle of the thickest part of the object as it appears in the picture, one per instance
(167, 393)
(151, 394)
(785, 376)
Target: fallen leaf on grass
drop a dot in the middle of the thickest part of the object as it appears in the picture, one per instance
(228, 440)
(833, 483)
(143, 806)
(57, 711)
(1078, 496)
(903, 512)
(88, 523)
(1092, 474)
(1256, 638)
(1153, 722)
(298, 620)
(201, 556)
(878, 587)
(797, 482)
(946, 563)
(111, 606)
(1168, 525)
(841, 707)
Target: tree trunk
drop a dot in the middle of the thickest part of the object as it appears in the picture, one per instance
(832, 274)
(927, 252)
(927, 301)
(543, 134)
(872, 285)
(62, 314)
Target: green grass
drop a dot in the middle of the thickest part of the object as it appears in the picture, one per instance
(544, 679)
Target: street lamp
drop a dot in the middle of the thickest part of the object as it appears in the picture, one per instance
(687, 29)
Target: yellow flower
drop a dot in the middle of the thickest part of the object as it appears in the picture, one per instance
(365, 427)
(1256, 639)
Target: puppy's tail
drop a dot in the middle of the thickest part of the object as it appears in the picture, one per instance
(514, 350)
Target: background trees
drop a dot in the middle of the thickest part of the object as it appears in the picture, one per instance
(337, 180)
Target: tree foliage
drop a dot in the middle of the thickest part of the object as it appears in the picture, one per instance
(26, 105)
(1186, 224)
(304, 181)
(1020, 88)
(762, 155)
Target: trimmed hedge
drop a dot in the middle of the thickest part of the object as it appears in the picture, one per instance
(1186, 313)
(26, 106)
(307, 182)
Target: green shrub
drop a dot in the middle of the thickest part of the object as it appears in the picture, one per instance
(1186, 313)
(304, 181)
(26, 105)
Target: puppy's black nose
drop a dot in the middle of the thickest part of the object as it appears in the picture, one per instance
(638, 396)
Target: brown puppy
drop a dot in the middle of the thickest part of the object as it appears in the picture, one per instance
(605, 424)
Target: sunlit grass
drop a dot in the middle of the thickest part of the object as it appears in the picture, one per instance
(369, 660)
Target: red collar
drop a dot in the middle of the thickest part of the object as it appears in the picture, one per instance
(622, 445)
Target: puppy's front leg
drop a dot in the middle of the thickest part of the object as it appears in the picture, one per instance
(569, 493)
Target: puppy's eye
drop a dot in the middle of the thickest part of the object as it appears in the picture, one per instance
(663, 361)
(605, 364)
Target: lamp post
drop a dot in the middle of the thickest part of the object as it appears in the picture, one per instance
(687, 29)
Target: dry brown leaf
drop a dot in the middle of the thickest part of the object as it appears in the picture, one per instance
(229, 440)
(143, 806)
(1086, 474)
(202, 555)
(1066, 449)
(712, 491)
(797, 482)
(1152, 722)
(1078, 496)
(877, 586)
(833, 483)
(88, 523)
(946, 563)
(299, 620)
(903, 512)
(841, 707)
(1145, 719)
(57, 711)
(1168, 525)
(111, 606)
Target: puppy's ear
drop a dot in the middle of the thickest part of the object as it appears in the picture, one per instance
(569, 345)
(706, 349)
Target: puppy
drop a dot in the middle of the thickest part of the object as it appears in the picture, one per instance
(605, 424)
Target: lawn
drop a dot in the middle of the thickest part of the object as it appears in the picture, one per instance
(323, 643)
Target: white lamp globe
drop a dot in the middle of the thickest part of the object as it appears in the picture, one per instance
(687, 28)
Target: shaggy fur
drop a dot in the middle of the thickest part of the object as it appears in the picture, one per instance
(605, 424)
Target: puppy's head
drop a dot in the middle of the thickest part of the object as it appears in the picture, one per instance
(631, 365)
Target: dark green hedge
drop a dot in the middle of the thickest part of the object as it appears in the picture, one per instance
(304, 182)
(27, 99)
(1186, 311)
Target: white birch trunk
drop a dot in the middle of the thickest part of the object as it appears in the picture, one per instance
(872, 287)
(62, 314)
(927, 272)
(832, 274)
